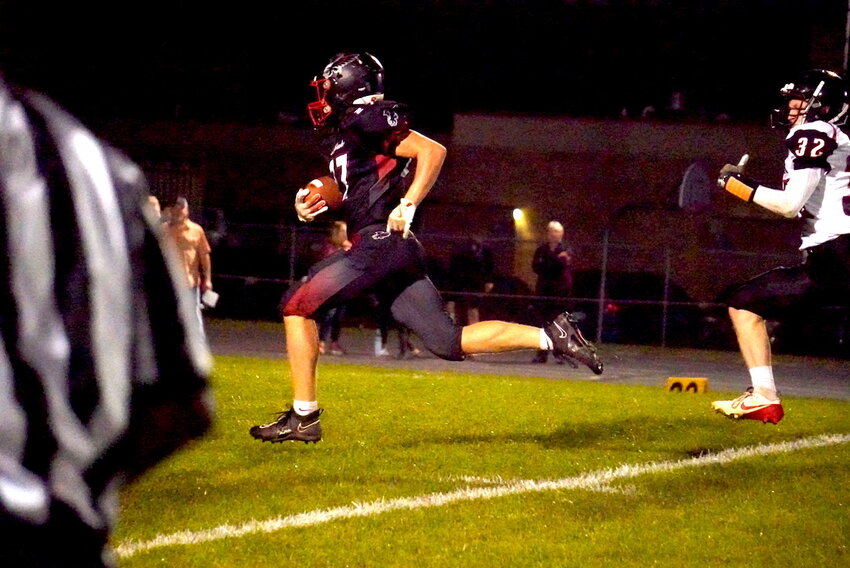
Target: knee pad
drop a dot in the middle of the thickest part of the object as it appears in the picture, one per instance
(297, 302)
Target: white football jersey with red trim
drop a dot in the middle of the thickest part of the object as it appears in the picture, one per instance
(826, 148)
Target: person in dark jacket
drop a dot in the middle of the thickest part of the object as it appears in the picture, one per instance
(553, 265)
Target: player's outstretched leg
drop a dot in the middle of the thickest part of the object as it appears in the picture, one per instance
(751, 406)
(568, 341)
(291, 426)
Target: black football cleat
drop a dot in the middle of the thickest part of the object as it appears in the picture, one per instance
(291, 426)
(569, 342)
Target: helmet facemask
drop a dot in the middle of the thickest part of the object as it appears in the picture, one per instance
(825, 99)
(347, 79)
(320, 109)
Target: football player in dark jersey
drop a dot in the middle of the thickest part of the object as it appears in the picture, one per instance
(815, 188)
(384, 169)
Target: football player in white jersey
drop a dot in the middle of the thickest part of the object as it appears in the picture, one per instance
(814, 188)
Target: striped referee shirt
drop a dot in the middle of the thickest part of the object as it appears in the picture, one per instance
(102, 372)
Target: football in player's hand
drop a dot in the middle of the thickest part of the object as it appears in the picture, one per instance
(327, 189)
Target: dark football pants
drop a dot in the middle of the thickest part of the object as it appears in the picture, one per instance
(394, 269)
(822, 279)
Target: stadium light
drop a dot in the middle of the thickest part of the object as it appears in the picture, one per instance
(521, 219)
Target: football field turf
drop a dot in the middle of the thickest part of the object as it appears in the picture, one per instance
(423, 468)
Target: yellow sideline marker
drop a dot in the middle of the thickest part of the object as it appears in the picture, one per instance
(687, 384)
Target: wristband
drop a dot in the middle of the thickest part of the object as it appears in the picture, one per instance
(741, 188)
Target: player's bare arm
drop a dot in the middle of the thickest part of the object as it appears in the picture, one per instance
(429, 156)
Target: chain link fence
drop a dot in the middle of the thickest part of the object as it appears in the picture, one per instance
(622, 293)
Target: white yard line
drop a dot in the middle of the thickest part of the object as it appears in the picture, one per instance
(596, 481)
(499, 480)
(476, 480)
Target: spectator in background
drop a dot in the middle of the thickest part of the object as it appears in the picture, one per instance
(330, 324)
(471, 274)
(406, 348)
(193, 250)
(385, 323)
(156, 209)
(552, 263)
(102, 372)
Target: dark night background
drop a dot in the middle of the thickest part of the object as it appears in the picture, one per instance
(249, 61)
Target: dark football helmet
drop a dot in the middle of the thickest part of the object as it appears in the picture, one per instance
(347, 78)
(826, 94)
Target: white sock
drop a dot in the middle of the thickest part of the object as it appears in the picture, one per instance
(304, 407)
(545, 341)
(762, 378)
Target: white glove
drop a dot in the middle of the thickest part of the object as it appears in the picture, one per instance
(305, 210)
(401, 217)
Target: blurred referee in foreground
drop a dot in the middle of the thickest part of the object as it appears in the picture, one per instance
(102, 370)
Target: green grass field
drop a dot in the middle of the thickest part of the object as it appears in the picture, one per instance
(423, 469)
